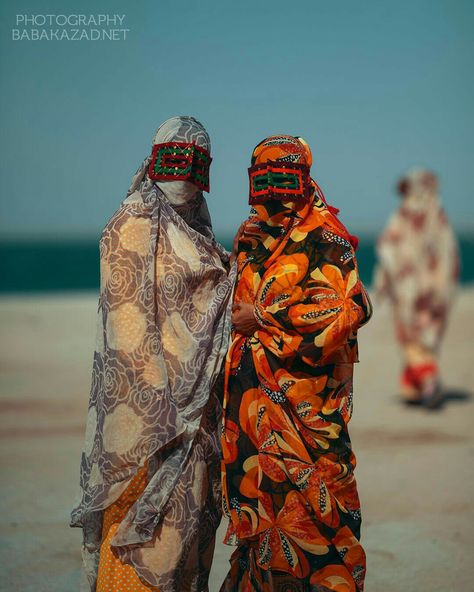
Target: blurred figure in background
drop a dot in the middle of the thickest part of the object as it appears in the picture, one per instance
(418, 269)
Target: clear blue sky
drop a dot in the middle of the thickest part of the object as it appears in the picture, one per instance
(374, 86)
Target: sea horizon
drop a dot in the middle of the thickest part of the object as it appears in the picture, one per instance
(56, 264)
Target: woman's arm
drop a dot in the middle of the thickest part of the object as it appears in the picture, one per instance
(311, 308)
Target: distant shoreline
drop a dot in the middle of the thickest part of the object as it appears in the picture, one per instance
(56, 265)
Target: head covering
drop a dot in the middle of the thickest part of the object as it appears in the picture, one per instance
(162, 334)
(185, 130)
(279, 170)
(273, 213)
(419, 185)
(418, 260)
(282, 148)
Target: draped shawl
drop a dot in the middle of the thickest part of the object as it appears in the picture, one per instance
(418, 261)
(288, 468)
(163, 320)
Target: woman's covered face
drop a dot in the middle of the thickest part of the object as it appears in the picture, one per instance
(181, 159)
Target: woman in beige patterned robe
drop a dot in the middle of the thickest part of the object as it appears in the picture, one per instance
(418, 271)
(150, 496)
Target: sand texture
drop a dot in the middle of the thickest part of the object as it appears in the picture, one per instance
(415, 467)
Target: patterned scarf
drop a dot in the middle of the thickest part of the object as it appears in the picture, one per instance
(162, 333)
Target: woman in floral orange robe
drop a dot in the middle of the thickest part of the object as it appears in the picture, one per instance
(288, 483)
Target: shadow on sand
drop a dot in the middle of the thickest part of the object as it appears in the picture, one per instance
(441, 399)
(456, 396)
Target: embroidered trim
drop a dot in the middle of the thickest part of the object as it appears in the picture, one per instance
(279, 180)
(180, 161)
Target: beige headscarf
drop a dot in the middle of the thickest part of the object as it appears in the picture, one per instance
(418, 258)
(163, 324)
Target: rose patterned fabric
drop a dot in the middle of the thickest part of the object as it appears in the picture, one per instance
(418, 268)
(288, 468)
(163, 322)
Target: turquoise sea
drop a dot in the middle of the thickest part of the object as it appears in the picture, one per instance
(59, 266)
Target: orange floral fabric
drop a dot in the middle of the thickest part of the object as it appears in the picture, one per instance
(288, 467)
(282, 148)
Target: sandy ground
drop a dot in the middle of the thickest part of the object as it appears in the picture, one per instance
(415, 471)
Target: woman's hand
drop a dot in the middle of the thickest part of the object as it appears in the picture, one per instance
(243, 318)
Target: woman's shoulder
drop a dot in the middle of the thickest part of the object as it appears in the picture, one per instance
(130, 213)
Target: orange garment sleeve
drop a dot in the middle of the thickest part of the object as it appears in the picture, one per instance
(311, 310)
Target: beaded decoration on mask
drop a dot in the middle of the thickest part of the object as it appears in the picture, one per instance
(180, 161)
(279, 180)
